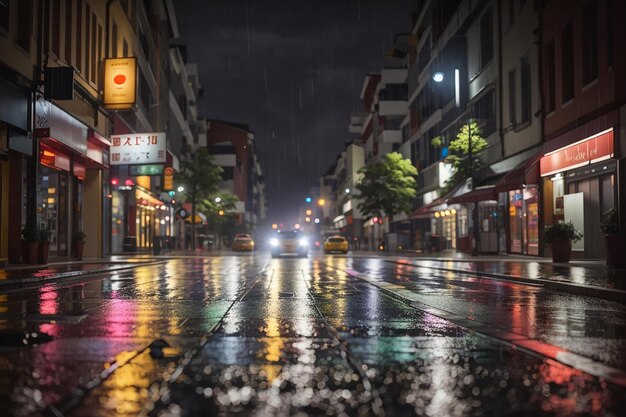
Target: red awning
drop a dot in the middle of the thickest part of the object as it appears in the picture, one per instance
(478, 194)
(425, 211)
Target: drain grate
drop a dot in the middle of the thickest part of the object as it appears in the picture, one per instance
(285, 294)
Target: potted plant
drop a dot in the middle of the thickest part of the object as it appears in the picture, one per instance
(44, 246)
(29, 242)
(560, 237)
(79, 244)
(612, 241)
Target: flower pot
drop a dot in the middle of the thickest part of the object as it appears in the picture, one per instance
(561, 250)
(79, 247)
(42, 252)
(614, 250)
(29, 252)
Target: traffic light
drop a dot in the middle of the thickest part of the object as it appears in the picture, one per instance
(172, 193)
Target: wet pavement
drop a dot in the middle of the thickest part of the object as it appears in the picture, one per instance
(250, 335)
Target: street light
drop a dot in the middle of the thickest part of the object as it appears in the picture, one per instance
(181, 189)
(347, 191)
(439, 77)
(321, 202)
(217, 199)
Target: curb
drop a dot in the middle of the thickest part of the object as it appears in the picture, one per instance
(75, 274)
(609, 294)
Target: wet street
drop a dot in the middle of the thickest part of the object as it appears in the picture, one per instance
(325, 336)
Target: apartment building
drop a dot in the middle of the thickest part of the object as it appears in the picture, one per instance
(59, 126)
(232, 145)
(583, 165)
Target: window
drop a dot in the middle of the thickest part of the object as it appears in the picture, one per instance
(113, 41)
(68, 31)
(567, 62)
(24, 15)
(512, 99)
(550, 76)
(79, 34)
(590, 42)
(94, 39)
(486, 38)
(228, 173)
(4, 15)
(87, 42)
(525, 89)
(55, 26)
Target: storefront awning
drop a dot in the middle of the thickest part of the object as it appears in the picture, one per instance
(425, 211)
(527, 172)
(486, 193)
(199, 218)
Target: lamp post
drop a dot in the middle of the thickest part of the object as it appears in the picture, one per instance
(439, 77)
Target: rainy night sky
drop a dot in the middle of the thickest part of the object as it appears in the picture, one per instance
(293, 71)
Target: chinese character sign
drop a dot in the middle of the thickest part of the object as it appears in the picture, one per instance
(120, 80)
(138, 148)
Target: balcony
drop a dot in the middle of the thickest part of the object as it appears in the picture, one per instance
(227, 160)
(356, 122)
(392, 136)
(393, 107)
(435, 176)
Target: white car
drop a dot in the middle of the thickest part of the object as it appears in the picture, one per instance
(289, 242)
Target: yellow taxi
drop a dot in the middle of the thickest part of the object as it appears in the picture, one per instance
(336, 244)
(243, 242)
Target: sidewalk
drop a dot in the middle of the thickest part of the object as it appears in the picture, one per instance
(18, 275)
(592, 278)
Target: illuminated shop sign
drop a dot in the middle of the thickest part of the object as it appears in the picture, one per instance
(120, 82)
(140, 170)
(593, 149)
(138, 149)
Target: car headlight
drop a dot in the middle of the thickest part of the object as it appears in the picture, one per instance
(303, 242)
(274, 242)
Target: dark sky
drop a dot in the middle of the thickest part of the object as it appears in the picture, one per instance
(292, 70)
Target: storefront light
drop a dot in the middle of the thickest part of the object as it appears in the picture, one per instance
(167, 218)
(137, 221)
(52, 190)
(162, 221)
(437, 215)
(447, 212)
(163, 208)
(51, 200)
(453, 211)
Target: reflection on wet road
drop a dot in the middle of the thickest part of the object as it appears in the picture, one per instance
(259, 336)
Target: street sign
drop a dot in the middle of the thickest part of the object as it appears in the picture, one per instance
(140, 170)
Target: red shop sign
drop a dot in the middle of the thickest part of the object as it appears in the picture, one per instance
(585, 152)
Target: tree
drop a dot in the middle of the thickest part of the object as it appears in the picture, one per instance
(459, 151)
(200, 178)
(387, 187)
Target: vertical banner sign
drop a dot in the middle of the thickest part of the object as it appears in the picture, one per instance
(138, 148)
(120, 83)
(168, 179)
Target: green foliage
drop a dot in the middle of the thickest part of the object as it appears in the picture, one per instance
(44, 235)
(459, 152)
(609, 225)
(387, 186)
(560, 230)
(30, 233)
(210, 208)
(201, 178)
(437, 142)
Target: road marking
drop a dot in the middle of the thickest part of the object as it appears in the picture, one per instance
(528, 345)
